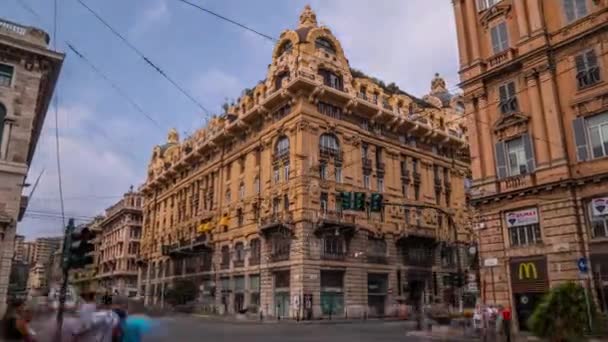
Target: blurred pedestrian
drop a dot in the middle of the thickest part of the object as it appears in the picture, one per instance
(15, 323)
(506, 319)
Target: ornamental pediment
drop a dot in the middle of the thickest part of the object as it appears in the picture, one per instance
(506, 121)
(499, 10)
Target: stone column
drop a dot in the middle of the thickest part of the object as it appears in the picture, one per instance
(552, 114)
(537, 121)
(463, 52)
(522, 20)
(487, 143)
(471, 19)
(536, 16)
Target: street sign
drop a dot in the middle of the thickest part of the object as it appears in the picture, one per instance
(582, 264)
(490, 262)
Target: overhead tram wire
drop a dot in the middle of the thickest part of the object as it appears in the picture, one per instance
(147, 60)
(99, 73)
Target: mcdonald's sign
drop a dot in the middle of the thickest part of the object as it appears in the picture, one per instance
(527, 270)
(529, 274)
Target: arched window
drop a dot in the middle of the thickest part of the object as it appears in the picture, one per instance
(328, 143)
(282, 146)
(285, 47)
(2, 118)
(278, 82)
(331, 79)
(325, 44)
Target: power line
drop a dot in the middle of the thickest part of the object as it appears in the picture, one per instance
(112, 84)
(146, 59)
(56, 109)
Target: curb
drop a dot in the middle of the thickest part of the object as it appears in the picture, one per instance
(232, 320)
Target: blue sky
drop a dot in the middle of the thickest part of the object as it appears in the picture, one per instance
(106, 144)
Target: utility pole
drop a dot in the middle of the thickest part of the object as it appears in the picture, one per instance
(65, 265)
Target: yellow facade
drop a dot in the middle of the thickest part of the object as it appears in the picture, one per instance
(249, 207)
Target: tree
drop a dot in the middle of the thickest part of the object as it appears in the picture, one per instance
(562, 314)
(182, 292)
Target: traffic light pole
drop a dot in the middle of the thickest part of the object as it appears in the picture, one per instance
(65, 265)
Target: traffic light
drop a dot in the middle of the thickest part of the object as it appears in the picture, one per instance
(360, 201)
(376, 202)
(79, 246)
(345, 199)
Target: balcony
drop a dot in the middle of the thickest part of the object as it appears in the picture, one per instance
(333, 255)
(367, 164)
(276, 220)
(239, 263)
(225, 265)
(380, 167)
(387, 106)
(254, 261)
(405, 176)
(437, 182)
(377, 259)
(501, 58)
(417, 177)
(276, 257)
(362, 96)
(517, 182)
(330, 152)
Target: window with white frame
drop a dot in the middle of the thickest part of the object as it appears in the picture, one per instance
(286, 172)
(366, 183)
(598, 217)
(338, 173)
(575, 9)
(515, 157)
(328, 143)
(591, 136)
(256, 185)
(524, 227)
(282, 146)
(323, 171)
(241, 191)
(380, 184)
(508, 99)
(500, 37)
(587, 69)
(6, 75)
(276, 175)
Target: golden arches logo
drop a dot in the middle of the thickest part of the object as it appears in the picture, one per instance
(527, 270)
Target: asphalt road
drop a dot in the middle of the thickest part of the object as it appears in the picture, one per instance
(187, 328)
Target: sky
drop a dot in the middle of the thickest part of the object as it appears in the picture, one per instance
(106, 143)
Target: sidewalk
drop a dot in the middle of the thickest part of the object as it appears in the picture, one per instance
(250, 319)
(445, 333)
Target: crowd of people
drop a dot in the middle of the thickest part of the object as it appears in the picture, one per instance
(113, 321)
(492, 322)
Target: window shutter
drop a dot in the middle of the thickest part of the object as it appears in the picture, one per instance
(580, 138)
(495, 39)
(569, 9)
(529, 148)
(501, 160)
(579, 61)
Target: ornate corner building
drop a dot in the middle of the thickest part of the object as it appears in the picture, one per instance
(28, 73)
(534, 79)
(321, 191)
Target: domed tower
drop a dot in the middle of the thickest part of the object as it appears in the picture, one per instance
(309, 50)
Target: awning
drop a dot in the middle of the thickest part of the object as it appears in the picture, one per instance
(224, 221)
(205, 227)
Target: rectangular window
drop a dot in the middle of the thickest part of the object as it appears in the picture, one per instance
(6, 75)
(324, 202)
(597, 130)
(276, 202)
(575, 9)
(500, 40)
(323, 171)
(285, 202)
(239, 216)
(276, 175)
(587, 69)
(598, 217)
(515, 157)
(507, 98)
(286, 172)
(256, 185)
(380, 184)
(338, 171)
(366, 181)
(329, 110)
(417, 192)
(407, 216)
(524, 227)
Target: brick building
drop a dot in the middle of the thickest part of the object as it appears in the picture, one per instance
(117, 247)
(250, 207)
(534, 79)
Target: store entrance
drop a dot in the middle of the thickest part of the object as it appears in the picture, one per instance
(525, 303)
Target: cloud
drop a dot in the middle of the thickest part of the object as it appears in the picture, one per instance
(94, 172)
(156, 15)
(215, 86)
(401, 41)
